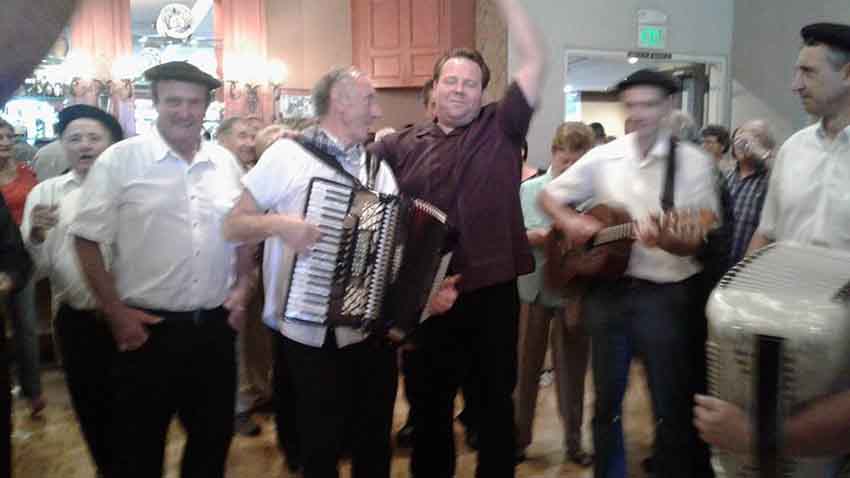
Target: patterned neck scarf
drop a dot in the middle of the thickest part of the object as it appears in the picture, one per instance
(350, 158)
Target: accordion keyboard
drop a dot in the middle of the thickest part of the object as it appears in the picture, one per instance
(313, 274)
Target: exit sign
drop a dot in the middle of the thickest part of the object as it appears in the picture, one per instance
(652, 36)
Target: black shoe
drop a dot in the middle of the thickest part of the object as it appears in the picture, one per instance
(472, 439)
(520, 456)
(246, 426)
(404, 437)
(648, 465)
(293, 468)
(579, 457)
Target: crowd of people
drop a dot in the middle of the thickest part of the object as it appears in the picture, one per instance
(165, 254)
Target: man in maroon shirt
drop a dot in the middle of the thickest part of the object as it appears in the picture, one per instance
(467, 163)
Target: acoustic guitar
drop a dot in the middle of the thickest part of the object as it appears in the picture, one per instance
(606, 254)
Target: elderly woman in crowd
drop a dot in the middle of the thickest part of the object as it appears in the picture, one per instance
(83, 334)
(16, 182)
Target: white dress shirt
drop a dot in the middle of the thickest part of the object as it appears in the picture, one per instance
(808, 197)
(56, 256)
(163, 217)
(615, 174)
(279, 184)
(47, 193)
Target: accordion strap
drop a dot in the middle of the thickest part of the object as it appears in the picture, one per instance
(331, 161)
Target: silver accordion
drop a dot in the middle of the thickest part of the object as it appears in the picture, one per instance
(379, 260)
(779, 337)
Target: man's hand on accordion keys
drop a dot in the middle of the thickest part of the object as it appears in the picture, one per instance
(445, 297)
(298, 233)
(723, 424)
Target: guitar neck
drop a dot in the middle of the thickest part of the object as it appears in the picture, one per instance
(613, 234)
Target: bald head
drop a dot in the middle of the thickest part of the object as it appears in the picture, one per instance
(756, 130)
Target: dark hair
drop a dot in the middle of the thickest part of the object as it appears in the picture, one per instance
(598, 130)
(427, 88)
(471, 55)
(719, 132)
(837, 57)
(6, 124)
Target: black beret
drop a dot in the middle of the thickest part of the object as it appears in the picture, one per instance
(647, 77)
(181, 71)
(833, 34)
(75, 112)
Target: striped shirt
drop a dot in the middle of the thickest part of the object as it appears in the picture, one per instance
(747, 195)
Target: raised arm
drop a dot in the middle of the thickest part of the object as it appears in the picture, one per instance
(530, 48)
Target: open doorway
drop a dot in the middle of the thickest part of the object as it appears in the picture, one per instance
(591, 76)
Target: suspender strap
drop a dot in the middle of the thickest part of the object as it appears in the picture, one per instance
(667, 191)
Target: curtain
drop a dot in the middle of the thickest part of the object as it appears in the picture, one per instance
(101, 30)
(242, 57)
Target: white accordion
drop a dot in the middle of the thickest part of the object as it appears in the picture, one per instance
(791, 302)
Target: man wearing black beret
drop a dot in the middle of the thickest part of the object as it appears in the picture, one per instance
(807, 202)
(172, 297)
(83, 337)
(647, 312)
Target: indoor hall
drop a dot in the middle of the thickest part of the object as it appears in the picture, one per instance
(269, 54)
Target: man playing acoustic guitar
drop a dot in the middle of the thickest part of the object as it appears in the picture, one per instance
(647, 310)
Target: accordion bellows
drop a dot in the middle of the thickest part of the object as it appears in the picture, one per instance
(379, 260)
(798, 294)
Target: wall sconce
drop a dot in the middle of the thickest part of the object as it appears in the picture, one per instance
(249, 75)
(125, 70)
(251, 91)
(277, 77)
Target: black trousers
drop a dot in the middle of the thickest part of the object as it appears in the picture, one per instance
(5, 398)
(186, 368)
(343, 397)
(284, 405)
(478, 333)
(88, 354)
(627, 318)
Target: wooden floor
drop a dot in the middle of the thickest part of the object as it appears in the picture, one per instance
(52, 446)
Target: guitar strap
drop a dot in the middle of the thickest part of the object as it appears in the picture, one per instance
(668, 189)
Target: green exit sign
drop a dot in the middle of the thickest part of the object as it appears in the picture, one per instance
(652, 36)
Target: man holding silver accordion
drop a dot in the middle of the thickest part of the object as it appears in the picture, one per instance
(807, 203)
(344, 375)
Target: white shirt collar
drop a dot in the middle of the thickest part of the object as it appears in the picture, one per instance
(162, 150)
(820, 131)
(659, 150)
